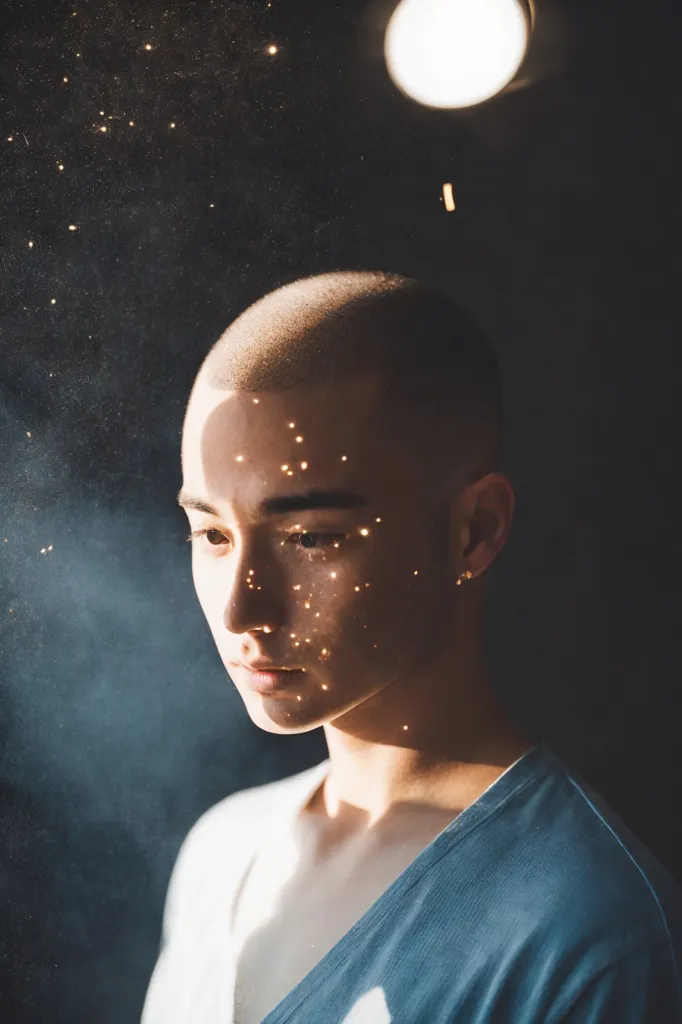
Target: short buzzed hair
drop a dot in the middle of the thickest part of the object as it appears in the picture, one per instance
(441, 402)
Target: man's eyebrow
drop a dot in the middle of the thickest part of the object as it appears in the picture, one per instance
(282, 504)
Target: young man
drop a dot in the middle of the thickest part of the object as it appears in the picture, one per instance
(341, 474)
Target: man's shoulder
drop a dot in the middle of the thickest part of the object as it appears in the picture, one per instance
(237, 819)
(587, 868)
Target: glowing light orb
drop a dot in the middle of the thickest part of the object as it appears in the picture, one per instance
(455, 53)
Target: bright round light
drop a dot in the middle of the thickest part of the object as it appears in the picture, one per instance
(455, 53)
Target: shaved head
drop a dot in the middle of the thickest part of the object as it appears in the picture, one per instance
(439, 396)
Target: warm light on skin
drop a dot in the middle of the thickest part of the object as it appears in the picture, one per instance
(360, 613)
(455, 53)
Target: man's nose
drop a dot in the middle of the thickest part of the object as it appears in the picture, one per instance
(258, 594)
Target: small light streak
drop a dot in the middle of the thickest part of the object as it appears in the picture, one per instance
(272, 49)
(297, 587)
(324, 650)
(28, 433)
(60, 167)
(251, 572)
(299, 697)
(356, 588)
(307, 604)
(172, 124)
(240, 458)
(416, 571)
(304, 465)
(73, 227)
(448, 196)
(131, 123)
(344, 458)
(324, 685)
(292, 636)
(148, 46)
(52, 301)
(103, 128)
(101, 113)
(298, 439)
(290, 472)
(65, 78)
(78, 54)
(405, 728)
(10, 138)
(377, 520)
(333, 575)
(30, 245)
(284, 468)
(212, 205)
(364, 531)
(292, 425)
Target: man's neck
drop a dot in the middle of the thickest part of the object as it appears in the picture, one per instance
(368, 780)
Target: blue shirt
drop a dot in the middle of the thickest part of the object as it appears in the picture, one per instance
(536, 905)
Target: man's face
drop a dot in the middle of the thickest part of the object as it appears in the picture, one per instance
(358, 597)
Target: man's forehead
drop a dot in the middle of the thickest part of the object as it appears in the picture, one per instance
(232, 455)
(278, 426)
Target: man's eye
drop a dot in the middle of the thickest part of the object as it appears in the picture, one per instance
(308, 541)
(195, 534)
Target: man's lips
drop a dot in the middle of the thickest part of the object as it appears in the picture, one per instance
(267, 666)
(271, 679)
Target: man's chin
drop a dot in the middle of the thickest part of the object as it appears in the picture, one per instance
(271, 716)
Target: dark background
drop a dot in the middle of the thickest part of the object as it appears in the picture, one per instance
(118, 724)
